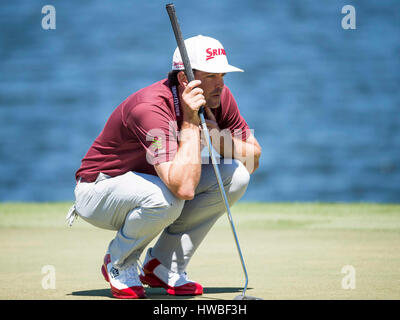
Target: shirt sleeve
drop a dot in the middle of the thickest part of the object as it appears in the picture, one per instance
(156, 131)
(231, 118)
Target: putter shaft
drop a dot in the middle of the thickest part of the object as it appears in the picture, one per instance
(223, 194)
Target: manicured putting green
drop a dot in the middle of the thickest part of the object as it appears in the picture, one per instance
(292, 251)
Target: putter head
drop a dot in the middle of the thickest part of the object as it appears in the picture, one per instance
(242, 297)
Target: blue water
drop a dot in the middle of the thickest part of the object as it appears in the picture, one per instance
(324, 102)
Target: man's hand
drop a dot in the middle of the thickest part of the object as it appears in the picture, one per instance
(192, 100)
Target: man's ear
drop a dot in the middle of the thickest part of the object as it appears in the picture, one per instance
(182, 79)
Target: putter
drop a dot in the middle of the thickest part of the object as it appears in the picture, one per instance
(190, 76)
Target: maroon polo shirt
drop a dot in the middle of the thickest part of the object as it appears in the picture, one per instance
(143, 131)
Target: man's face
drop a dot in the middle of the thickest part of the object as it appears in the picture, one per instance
(212, 85)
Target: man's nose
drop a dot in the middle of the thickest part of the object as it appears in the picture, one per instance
(220, 82)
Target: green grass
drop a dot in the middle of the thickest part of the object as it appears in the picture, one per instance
(292, 251)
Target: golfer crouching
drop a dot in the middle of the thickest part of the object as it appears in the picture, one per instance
(143, 175)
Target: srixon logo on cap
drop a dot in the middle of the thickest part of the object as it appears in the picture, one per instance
(211, 53)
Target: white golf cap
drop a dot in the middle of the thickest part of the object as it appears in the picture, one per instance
(205, 54)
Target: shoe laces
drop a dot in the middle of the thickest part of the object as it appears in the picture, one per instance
(131, 272)
(184, 275)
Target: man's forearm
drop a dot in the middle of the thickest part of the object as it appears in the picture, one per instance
(248, 152)
(182, 174)
(185, 170)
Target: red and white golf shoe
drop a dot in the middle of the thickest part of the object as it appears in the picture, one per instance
(124, 282)
(156, 275)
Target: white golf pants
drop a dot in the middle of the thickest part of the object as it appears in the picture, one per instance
(140, 206)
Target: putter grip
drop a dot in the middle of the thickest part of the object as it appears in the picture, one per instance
(181, 45)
